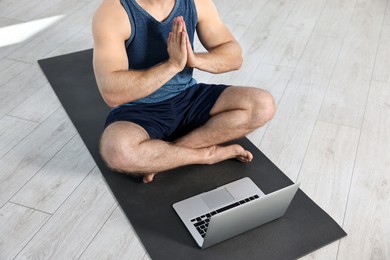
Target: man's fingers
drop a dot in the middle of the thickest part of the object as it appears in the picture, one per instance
(184, 41)
(184, 27)
(174, 30)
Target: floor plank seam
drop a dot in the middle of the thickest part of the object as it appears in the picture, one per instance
(33, 236)
(334, 65)
(74, 190)
(31, 130)
(361, 126)
(17, 74)
(25, 206)
(272, 43)
(98, 231)
(53, 214)
(25, 119)
(43, 166)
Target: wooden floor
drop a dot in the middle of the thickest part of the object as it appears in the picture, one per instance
(327, 63)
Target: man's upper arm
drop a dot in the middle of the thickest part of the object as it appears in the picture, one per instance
(110, 28)
(211, 30)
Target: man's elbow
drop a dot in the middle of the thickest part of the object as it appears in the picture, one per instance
(238, 59)
(238, 63)
(109, 98)
(110, 101)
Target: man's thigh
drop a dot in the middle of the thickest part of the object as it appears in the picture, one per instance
(123, 132)
(236, 97)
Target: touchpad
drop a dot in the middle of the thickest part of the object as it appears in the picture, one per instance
(217, 198)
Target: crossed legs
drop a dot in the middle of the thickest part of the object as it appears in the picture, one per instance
(126, 147)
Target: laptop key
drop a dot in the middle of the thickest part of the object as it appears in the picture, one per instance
(199, 223)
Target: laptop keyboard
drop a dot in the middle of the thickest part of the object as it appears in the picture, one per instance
(201, 223)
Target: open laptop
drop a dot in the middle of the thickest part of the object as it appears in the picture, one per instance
(231, 209)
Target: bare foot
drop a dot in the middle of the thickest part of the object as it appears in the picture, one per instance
(221, 153)
(148, 177)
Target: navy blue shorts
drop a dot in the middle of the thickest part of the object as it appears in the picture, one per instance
(172, 118)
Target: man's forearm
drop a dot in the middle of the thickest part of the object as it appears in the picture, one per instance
(126, 86)
(224, 58)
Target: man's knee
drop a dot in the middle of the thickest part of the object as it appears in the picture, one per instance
(119, 154)
(263, 108)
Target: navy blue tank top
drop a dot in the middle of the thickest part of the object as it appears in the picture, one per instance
(147, 45)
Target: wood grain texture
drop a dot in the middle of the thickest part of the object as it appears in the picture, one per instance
(38, 106)
(293, 37)
(329, 164)
(289, 132)
(12, 131)
(10, 69)
(335, 18)
(30, 155)
(69, 231)
(382, 68)
(116, 240)
(18, 225)
(21, 87)
(257, 39)
(273, 79)
(368, 211)
(50, 187)
(326, 172)
(347, 94)
(73, 44)
(5, 50)
(51, 38)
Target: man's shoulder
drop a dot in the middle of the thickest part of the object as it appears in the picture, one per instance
(204, 8)
(111, 16)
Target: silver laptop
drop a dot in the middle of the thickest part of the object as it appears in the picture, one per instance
(232, 209)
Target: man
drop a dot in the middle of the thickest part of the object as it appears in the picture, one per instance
(161, 117)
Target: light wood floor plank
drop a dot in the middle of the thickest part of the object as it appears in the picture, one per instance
(257, 39)
(326, 172)
(240, 14)
(12, 131)
(9, 6)
(273, 79)
(382, 68)
(20, 88)
(49, 40)
(69, 231)
(328, 166)
(10, 69)
(368, 212)
(5, 48)
(17, 226)
(335, 18)
(348, 89)
(32, 10)
(39, 106)
(116, 240)
(25, 159)
(293, 37)
(50, 187)
(80, 41)
(289, 132)
(224, 7)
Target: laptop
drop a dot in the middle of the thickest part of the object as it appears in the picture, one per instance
(231, 209)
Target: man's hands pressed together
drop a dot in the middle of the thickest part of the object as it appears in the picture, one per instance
(179, 46)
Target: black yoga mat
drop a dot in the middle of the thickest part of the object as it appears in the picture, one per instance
(304, 228)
